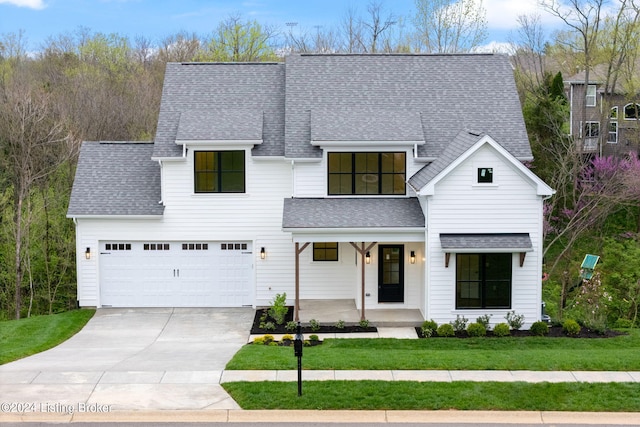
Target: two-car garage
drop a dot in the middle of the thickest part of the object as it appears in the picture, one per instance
(175, 274)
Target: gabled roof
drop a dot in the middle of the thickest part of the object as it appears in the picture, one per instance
(116, 178)
(462, 147)
(192, 90)
(446, 93)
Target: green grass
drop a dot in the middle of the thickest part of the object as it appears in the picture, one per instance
(24, 337)
(409, 395)
(621, 353)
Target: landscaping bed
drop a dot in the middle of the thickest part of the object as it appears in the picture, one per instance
(263, 323)
(554, 332)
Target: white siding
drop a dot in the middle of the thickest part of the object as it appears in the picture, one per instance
(255, 216)
(310, 178)
(461, 206)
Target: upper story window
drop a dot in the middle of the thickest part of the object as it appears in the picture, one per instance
(613, 115)
(219, 171)
(485, 175)
(591, 95)
(367, 173)
(632, 111)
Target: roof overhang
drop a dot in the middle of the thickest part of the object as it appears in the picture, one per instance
(486, 243)
(353, 219)
(353, 144)
(302, 235)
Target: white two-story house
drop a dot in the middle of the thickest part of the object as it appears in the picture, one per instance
(393, 181)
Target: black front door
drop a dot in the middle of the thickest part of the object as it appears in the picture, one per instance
(390, 273)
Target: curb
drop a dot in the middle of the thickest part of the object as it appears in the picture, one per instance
(341, 416)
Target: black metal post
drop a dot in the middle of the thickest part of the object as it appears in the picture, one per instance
(297, 347)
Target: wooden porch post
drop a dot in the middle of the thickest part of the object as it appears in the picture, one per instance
(296, 314)
(363, 252)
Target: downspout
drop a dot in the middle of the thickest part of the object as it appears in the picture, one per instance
(161, 201)
(293, 179)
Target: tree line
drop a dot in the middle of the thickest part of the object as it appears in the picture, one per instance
(92, 86)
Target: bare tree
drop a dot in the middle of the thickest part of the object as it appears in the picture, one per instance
(450, 26)
(179, 47)
(375, 27)
(34, 145)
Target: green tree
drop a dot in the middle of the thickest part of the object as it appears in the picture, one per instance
(237, 41)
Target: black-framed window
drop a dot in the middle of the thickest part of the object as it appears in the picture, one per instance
(483, 280)
(325, 251)
(485, 175)
(367, 173)
(219, 171)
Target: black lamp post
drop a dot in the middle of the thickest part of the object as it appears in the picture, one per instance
(297, 349)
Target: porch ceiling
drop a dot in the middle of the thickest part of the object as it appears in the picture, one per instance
(354, 219)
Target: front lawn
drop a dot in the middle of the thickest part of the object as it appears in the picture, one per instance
(24, 337)
(408, 395)
(509, 353)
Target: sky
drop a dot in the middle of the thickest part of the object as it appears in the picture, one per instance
(156, 19)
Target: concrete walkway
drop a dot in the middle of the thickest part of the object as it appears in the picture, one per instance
(168, 364)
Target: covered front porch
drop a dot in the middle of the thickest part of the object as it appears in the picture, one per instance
(377, 272)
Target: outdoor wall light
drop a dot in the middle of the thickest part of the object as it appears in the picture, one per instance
(367, 258)
(263, 253)
(87, 253)
(412, 257)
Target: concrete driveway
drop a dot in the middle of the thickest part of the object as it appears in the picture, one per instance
(134, 359)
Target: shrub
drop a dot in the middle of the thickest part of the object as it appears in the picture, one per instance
(623, 323)
(539, 328)
(279, 309)
(446, 330)
(269, 326)
(340, 324)
(571, 327)
(485, 320)
(291, 326)
(476, 330)
(273, 344)
(268, 339)
(428, 328)
(314, 325)
(287, 337)
(501, 330)
(258, 340)
(364, 323)
(306, 343)
(314, 337)
(514, 320)
(460, 324)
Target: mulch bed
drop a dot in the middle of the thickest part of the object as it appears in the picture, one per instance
(554, 332)
(306, 329)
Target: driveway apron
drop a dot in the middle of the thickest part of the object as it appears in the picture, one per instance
(134, 359)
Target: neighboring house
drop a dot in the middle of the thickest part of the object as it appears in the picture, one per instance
(395, 181)
(610, 125)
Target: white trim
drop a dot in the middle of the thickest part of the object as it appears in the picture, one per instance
(135, 217)
(542, 189)
(396, 234)
(358, 144)
(219, 142)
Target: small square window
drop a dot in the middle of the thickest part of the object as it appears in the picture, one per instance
(325, 251)
(485, 175)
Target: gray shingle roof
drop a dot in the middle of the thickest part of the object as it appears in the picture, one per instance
(116, 178)
(450, 92)
(201, 89)
(352, 213)
(220, 124)
(461, 143)
(514, 241)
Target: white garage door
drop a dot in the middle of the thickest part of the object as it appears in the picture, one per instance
(175, 274)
